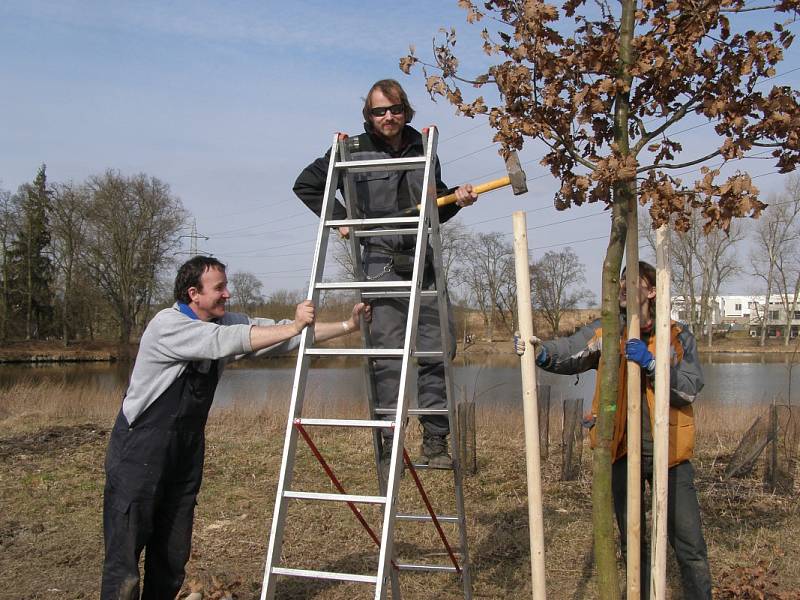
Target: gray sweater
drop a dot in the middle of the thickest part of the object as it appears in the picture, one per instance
(172, 340)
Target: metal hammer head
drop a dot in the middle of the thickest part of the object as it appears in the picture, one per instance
(516, 175)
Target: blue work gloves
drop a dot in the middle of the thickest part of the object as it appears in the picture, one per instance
(636, 350)
(541, 351)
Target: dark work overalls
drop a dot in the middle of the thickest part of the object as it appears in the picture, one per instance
(154, 468)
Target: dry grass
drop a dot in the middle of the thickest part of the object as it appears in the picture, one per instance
(51, 454)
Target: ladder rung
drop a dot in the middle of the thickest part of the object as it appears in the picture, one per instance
(426, 354)
(371, 352)
(334, 497)
(363, 285)
(422, 467)
(430, 568)
(372, 222)
(394, 294)
(382, 232)
(426, 518)
(345, 423)
(414, 411)
(325, 575)
(382, 164)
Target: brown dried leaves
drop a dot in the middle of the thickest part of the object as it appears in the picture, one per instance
(686, 59)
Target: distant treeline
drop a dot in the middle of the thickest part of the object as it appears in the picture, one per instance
(85, 260)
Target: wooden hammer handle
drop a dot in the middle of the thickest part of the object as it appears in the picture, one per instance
(478, 189)
(450, 198)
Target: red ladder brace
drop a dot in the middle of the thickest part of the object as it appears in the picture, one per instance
(298, 423)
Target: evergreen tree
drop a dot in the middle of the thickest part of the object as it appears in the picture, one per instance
(31, 272)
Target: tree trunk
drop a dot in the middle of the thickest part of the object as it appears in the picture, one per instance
(67, 299)
(763, 340)
(29, 284)
(602, 500)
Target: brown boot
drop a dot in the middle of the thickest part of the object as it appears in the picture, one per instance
(434, 451)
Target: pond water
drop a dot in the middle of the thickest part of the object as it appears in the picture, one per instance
(733, 379)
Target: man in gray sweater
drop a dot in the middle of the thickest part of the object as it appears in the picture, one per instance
(154, 463)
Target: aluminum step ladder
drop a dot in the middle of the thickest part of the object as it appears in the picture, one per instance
(425, 227)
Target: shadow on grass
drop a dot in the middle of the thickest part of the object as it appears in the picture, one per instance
(503, 556)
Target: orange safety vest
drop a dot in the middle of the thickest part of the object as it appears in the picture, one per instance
(681, 419)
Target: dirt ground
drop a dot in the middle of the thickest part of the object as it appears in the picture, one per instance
(51, 483)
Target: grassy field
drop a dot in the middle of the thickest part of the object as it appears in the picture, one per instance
(52, 445)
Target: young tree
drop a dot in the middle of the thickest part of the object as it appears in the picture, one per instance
(555, 281)
(31, 270)
(132, 230)
(605, 99)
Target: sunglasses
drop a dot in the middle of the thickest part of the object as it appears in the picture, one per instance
(379, 111)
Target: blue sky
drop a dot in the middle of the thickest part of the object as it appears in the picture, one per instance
(227, 102)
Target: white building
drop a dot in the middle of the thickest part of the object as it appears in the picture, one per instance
(739, 312)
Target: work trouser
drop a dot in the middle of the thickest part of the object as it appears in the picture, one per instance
(154, 469)
(387, 330)
(684, 527)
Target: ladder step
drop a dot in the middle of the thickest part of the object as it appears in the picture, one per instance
(363, 285)
(365, 233)
(325, 575)
(345, 423)
(394, 294)
(382, 164)
(335, 497)
(371, 352)
(426, 354)
(427, 518)
(429, 568)
(414, 411)
(372, 222)
(421, 467)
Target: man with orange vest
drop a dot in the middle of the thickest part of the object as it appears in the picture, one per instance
(581, 352)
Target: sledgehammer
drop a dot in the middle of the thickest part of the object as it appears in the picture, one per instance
(515, 178)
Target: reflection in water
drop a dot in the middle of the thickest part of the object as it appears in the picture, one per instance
(102, 374)
(730, 379)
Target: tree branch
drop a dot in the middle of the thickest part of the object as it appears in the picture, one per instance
(691, 163)
(676, 116)
(751, 9)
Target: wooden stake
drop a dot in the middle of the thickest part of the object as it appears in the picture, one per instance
(529, 406)
(658, 578)
(634, 425)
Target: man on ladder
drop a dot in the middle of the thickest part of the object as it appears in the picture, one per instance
(387, 113)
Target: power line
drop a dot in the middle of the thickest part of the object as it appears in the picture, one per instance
(226, 232)
(591, 239)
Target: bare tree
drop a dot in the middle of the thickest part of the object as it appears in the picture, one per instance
(8, 224)
(133, 229)
(486, 271)
(343, 257)
(68, 220)
(701, 263)
(281, 303)
(718, 264)
(246, 292)
(775, 234)
(455, 238)
(787, 267)
(556, 280)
